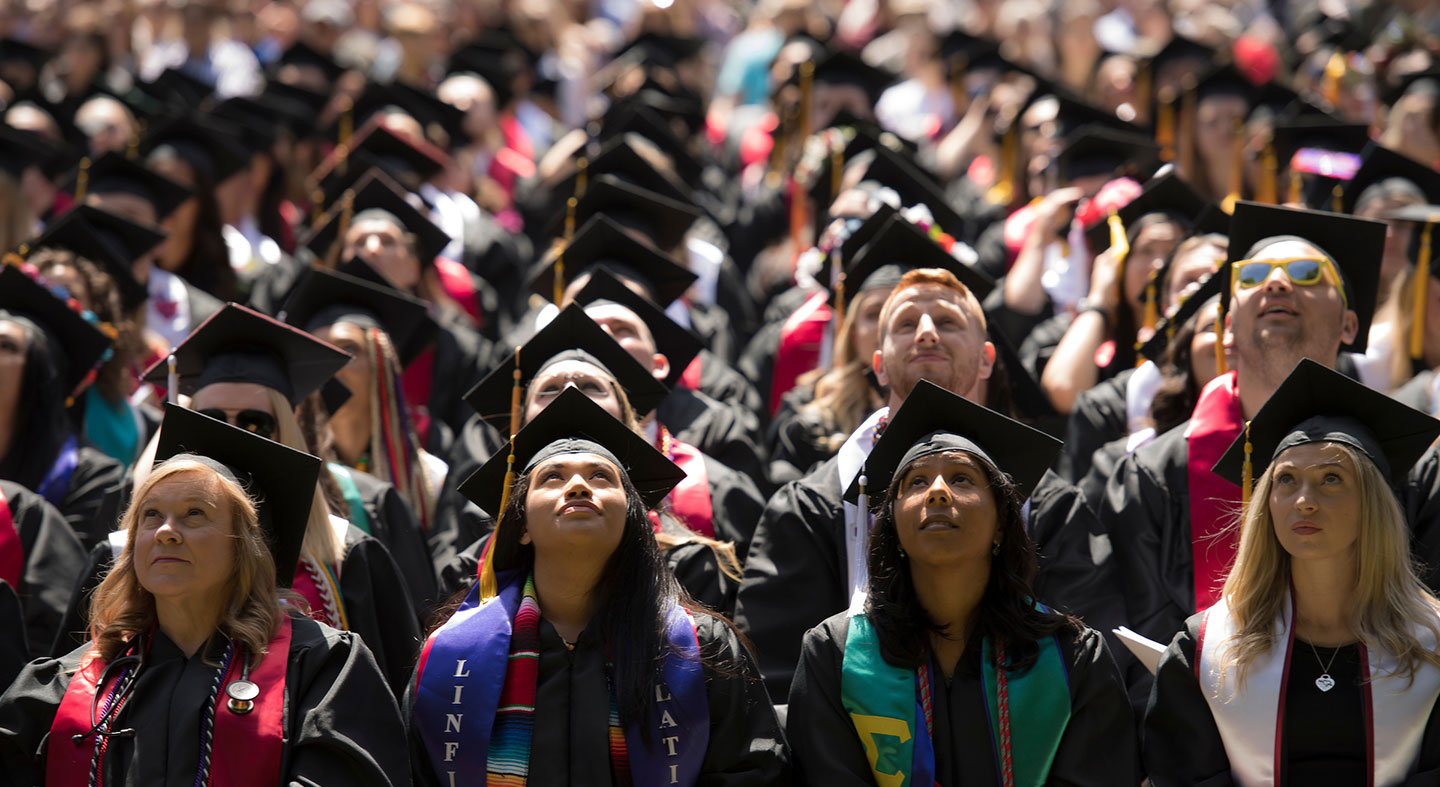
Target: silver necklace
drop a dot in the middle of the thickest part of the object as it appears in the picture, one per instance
(1324, 682)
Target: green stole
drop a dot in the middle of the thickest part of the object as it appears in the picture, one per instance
(884, 705)
(351, 493)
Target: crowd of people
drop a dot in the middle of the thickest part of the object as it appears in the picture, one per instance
(741, 392)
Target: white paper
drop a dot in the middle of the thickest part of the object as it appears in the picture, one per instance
(1144, 648)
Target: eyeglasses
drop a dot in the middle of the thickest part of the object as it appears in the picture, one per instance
(257, 421)
(1302, 271)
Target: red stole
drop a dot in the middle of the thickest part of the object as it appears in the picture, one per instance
(12, 552)
(247, 749)
(801, 338)
(1214, 425)
(308, 586)
(455, 278)
(415, 381)
(690, 378)
(690, 500)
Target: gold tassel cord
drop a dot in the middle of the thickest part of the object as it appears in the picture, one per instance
(1335, 70)
(1337, 198)
(1420, 283)
(1003, 192)
(1185, 135)
(807, 84)
(582, 177)
(1247, 471)
(1152, 302)
(1119, 243)
(1268, 192)
(1165, 127)
(1296, 189)
(488, 583)
(837, 168)
(1221, 367)
(1237, 168)
(82, 180)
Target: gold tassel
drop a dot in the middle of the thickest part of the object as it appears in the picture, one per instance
(807, 83)
(838, 318)
(488, 584)
(1152, 302)
(1165, 126)
(1003, 192)
(1142, 95)
(347, 212)
(582, 176)
(1268, 191)
(347, 125)
(1337, 198)
(1421, 284)
(1185, 134)
(317, 206)
(11, 258)
(1119, 244)
(777, 149)
(132, 151)
(570, 207)
(1237, 168)
(1296, 189)
(1220, 366)
(1246, 471)
(1334, 76)
(82, 180)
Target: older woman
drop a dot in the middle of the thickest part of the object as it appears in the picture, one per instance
(576, 658)
(1319, 664)
(948, 650)
(195, 671)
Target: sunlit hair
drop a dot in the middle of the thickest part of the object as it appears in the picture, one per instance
(844, 396)
(395, 454)
(923, 277)
(1390, 600)
(122, 608)
(1398, 311)
(102, 296)
(1006, 614)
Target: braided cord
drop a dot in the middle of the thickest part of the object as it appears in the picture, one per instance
(1006, 766)
(106, 720)
(325, 586)
(207, 723)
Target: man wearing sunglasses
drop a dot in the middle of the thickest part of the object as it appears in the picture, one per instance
(1302, 284)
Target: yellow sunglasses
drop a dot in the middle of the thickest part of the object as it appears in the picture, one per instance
(1302, 271)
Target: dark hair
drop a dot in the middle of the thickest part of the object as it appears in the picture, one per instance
(1178, 391)
(113, 380)
(1007, 613)
(40, 424)
(207, 263)
(636, 589)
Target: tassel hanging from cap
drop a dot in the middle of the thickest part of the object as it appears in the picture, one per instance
(1165, 127)
(1268, 191)
(1421, 285)
(1003, 192)
(1247, 471)
(1119, 243)
(1337, 198)
(582, 177)
(1143, 83)
(1221, 367)
(1334, 79)
(837, 167)
(1185, 134)
(1296, 195)
(1152, 301)
(807, 85)
(489, 586)
(776, 174)
(172, 380)
(1237, 168)
(82, 179)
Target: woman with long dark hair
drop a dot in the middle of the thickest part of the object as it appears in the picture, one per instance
(195, 670)
(577, 658)
(48, 353)
(948, 671)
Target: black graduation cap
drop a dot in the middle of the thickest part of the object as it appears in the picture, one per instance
(932, 420)
(897, 171)
(374, 190)
(296, 94)
(397, 154)
(302, 55)
(1354, 244)
(1075, 113)
(843, 68)
(13, 50)
(900, 246)
(106, 239)
(1167, 192)
(279, 479)
(658, 217)
(497, 56)
(424, 107)
(860, 136)
(1225, 80)
(178, 89)
(621, 156)
(633, 117)
(203, 144)
(1181, 48)
(1315, 405)
(1416, 81)
(660, 48)
(256, 124)
(602, 242)
(1381, 163)
(1165, 329)
(20, 149)
(238, 344)
(570, 330)
(561, 428)
(865, 233)
(1316, 131)
(1100, 150)
(325, 297)
(676, 342)
(78, 346)
(114, 173)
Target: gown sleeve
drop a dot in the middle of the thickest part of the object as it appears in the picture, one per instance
(746, 746)
(345, 726)
(1099, 747)
(13, 649)
(94, 487)
(826, 748)
(1180, 743)
(736, 505)
(74, 625)
(792, 575)
(394, 523)
(379, 609)
(27, 709)
(53, 559)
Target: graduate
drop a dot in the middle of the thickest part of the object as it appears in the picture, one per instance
(577, 657)
(904, 686)
(804, 560)
(196, 670)
(1318, 663)
(1301, 284)
(40, 557)
(50, 353)
(704, 518)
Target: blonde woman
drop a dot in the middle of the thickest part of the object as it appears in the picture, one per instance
(1319, 664)
(195, 670)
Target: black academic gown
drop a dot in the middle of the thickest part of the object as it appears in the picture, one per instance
(93, 495)
(794, 438)
(712, 325)
(341, 723)
(53, 558)
(393, 523)
(720, 381)
(722, 430)
(459, 351)
(1323, 743)
(14, 650)
(572, 710)
(1097, 418)
(1098, 747)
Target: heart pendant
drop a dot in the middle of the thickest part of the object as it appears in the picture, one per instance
(1324, 683)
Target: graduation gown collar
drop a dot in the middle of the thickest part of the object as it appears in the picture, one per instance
(1251, 719)
(1214, 424)
(848, 463)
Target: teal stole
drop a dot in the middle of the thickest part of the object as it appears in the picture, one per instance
(351, 493)
(889, 705)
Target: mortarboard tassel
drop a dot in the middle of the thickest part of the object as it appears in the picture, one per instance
(1296, 189)
(1237, 168)
(1247, 481)
(807, 84)
(1268, 192)
(837, 167)
(1220, 366)
(1185, 134)
(11, 258)
(172, 381)
(1165, 127)
(838, 319)
(347, 212)
(132, 151)
(1334, 76)
(777, 149)
(582, 176)
(1119, 243)
(82, 179)
(1337, 198)
(1143, 81)
(1421, 286)
(488, 584)
(1003, 192)
(1152, 302)
(317, 206)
